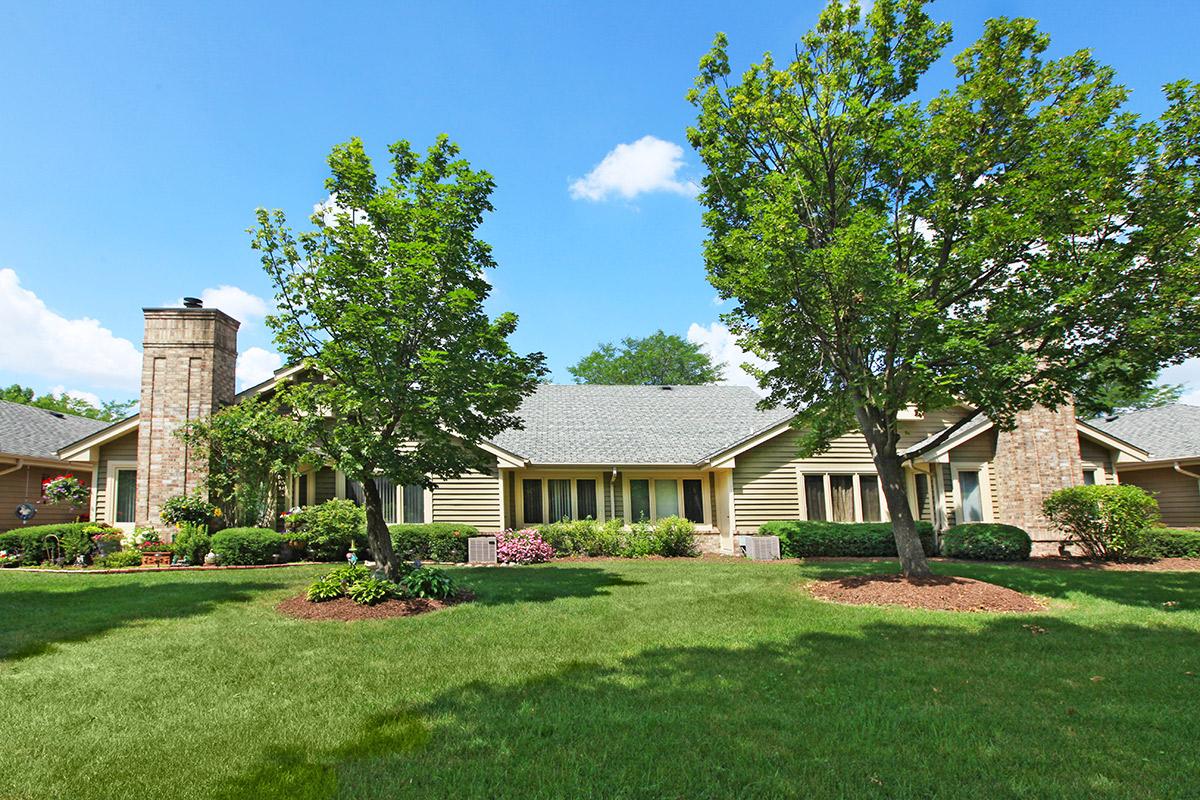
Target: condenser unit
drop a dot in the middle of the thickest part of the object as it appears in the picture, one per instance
(481, 550)
(762, 548)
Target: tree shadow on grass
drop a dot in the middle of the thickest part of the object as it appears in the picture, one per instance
(884, 711)
(507, 585)
(32, 620)
(1170, 591)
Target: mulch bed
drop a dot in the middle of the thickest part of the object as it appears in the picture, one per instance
(343, 609)
(936, 593)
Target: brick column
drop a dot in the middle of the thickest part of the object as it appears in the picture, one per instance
(189, 358)
(1034, 459)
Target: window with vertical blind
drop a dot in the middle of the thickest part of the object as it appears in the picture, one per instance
(868, 489)
(558, 492)
(841, 492)
(666, 498)
(124, 509)
(693, 501)
(970, 496)
(814, 496)
(387, 500)
(585, 499)
(1089, 477)
(922, 482)
(639, 500)
(531, 497)
(414, 503)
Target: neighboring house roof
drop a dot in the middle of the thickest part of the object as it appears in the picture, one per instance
(38, 432)
(1171, 431)
(630, 425)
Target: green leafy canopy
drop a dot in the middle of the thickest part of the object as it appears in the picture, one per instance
(658, 359)
(384, 301)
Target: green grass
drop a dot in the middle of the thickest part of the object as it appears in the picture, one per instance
(614, 679)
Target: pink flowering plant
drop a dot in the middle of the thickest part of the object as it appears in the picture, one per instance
(65, 489)
(522, 547)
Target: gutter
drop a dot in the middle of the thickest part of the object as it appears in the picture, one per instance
(19, 465)
(1183, 471)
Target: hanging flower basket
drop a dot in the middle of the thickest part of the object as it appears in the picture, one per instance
(65, 490)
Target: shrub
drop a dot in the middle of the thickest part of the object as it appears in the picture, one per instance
(181, 510)
(246, 545)
(121, 559)
(583, 537)
(369, 591)
(431, 541)
(30, 541)
(802, 538)
(192, 543)
(1167, 543)
(522, 547)
(986, 541)
(427, 582)
(328, 529)
(675, 536)
(1105, 520)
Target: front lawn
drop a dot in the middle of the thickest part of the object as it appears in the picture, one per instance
(618, 679)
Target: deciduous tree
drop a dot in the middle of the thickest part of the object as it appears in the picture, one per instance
(660, 359)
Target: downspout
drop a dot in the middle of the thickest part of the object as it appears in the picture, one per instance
(19, 465)
(1178, 469)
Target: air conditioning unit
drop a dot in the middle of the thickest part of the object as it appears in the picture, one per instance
(743, 544)
(762, 548)
(481, 550)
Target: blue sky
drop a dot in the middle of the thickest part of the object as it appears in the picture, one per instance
(136, 141)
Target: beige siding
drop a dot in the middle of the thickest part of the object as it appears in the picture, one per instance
(25, 486)
(1178, 495)
(123, 449)
(979, 450)
(473, 499)
(1095, 457)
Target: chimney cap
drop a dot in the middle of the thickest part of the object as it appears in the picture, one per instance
(193, 302)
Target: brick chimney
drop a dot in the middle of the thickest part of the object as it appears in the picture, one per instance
(189, 356)
(1040, 455)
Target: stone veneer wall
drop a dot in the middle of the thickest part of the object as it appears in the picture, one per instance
(189, 358)
(1040, 455)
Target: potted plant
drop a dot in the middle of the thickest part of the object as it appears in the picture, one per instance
(155, 552)
(66, 490)
(106, 539)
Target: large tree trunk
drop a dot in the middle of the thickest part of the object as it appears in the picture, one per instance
(895, 493)
(378, 538)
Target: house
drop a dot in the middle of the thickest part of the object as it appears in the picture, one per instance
(30, 438)
(707, 453)
(1170, 435)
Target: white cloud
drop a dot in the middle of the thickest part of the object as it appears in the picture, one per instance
(722, 346)
(37, 341)
(255, 365)
(246, 308)
(1187, 373)
(78, 394)
(647, 165)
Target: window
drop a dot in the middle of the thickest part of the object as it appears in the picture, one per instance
(693, 501)
(126, 495)
(559, 492)
(585, 499)
(868, 486)
(1089, 477)
(814, 496)
(531, 494)
(841, 489)
(972, 501)
(666, 498)
(387, 500)
(414, 504)
(639, 500)
(922, 481)
(354, 492)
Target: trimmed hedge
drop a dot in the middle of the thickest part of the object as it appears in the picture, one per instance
(803, 538)
(669, 536)
(1167, 543)
(986, 541)
(240, 546)
(29, 541)
(432, 541)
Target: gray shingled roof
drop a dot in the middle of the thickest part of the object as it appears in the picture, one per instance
(1165, 432)
(615, 425)
(39, 433)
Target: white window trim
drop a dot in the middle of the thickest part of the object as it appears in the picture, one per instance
(679, 477)
(856, 480)
(110, 494)
(985, 488)
(545, 477)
